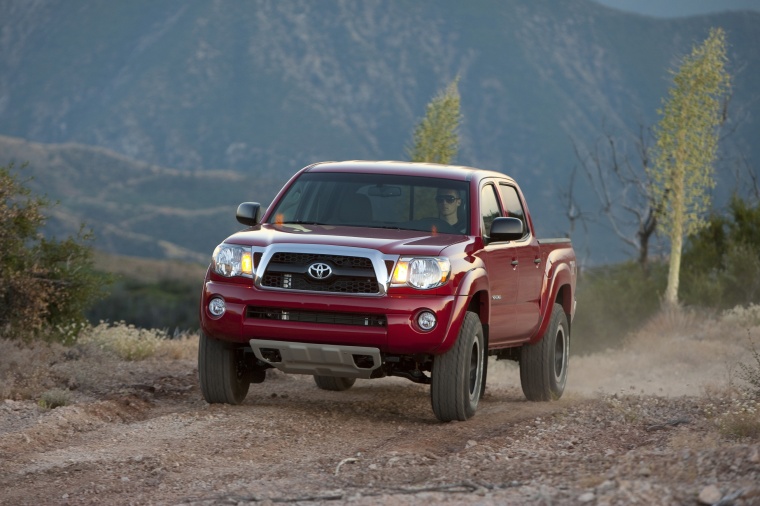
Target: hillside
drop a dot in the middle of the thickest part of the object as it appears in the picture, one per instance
(266, 87)
(134, 208)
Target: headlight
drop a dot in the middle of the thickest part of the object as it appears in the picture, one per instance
(230, 260)
(423, 273)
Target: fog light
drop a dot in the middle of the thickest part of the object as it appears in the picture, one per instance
(217, 307)
(426, 320)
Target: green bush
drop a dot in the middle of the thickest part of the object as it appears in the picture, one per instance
(45, 284)
(721, 264)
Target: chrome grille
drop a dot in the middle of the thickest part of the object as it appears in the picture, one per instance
(350, 274)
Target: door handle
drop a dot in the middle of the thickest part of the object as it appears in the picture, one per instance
(537, 260)
(514, 263)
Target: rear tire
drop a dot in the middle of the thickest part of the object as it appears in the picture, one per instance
(543, 365)
(222, 371)
(459, 374)
(333, 383)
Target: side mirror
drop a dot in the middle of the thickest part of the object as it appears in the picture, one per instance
(249, 213)
(506, 229)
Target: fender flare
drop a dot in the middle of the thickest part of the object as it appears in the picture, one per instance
(556, 277)
(474, 281)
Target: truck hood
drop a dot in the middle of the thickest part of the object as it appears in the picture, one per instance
(387, 241)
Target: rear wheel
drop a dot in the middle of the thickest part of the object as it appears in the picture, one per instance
(334, 383)
(458, 374)
(222, 371)
(543, 365)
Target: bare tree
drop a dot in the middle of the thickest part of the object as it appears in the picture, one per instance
(619, 180)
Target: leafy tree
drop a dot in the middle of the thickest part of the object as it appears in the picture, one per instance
(687, 139)
(721, 262)
(436, 137)
(45, 285)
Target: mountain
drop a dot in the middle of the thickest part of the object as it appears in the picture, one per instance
(262, 88)
(134, 208)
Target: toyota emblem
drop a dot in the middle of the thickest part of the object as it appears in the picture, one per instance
(319, 270)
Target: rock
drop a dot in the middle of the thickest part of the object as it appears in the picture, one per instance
(754, 456)
(710, 495)
(587, 497)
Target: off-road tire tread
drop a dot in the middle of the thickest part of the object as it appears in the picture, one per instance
(449, 382)
(217, 371)
(536, 361)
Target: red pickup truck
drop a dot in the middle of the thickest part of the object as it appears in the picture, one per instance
(373, 269)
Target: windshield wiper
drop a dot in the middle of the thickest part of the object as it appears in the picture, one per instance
(389, 227)
(300, 222)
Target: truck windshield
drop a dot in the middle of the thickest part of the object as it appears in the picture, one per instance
(376, 200)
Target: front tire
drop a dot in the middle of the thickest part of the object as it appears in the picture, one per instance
(222, 371)
(333, 383)
(543, 365)
(458, 375)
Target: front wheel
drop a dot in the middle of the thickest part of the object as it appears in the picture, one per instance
(222, 371)
(458, 374)
(543, 365)
(334, 384)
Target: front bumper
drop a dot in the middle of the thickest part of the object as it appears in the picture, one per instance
(398, 333)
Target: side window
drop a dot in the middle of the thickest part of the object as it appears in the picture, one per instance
(512, 203)
(489, 208)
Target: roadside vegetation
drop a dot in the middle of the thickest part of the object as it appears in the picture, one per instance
(720, 271)
(46, 284)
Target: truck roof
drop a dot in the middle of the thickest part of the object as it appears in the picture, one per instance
(456, 172)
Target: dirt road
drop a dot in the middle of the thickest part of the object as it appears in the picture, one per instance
(138, 432)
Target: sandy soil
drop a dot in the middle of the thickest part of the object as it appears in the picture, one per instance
(645, 424)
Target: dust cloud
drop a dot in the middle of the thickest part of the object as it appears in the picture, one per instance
(674, 354)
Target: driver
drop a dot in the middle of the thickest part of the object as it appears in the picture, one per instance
(448, 201)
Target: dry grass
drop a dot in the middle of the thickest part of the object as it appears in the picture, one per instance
(25, 368)
(102, 354)
(130, 343)
(182, 348)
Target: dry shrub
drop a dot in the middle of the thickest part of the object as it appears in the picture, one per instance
(125, 341)
(181, 348)
(25, 368)
(748, 319)
(743, 316)
(54, 398)
(670, 322)
(738, 417)
(128, 342)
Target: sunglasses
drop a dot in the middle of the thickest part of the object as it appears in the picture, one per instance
(449, 199)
